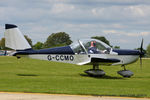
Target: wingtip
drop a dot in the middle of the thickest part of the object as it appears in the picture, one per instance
(9, 26)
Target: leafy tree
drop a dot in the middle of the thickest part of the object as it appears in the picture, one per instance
(29, 40)
(101, 38)
(2, 43)
(117, 47)
(57, 39)
(38, 45)
(148, 50)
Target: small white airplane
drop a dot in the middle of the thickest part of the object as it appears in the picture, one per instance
(82, 52)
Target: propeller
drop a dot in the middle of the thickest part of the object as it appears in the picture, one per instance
(141, 53)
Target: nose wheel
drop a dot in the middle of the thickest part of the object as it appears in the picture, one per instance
(96, 72)
(125, 73)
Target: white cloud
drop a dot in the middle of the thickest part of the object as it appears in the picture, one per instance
(61, 8)
(7, 12)
(138, 34)
(145, 33)
(131, 12)
(112, 18)
(110, 31)
(131, 34)
(135, 10)
(124, 41)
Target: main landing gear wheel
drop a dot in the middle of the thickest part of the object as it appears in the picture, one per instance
(96, 72)
(125, 73)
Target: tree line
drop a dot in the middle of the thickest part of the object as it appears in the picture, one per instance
(62, 39)
(53, 40)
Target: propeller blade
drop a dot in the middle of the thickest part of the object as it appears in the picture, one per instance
(141, 49)
(141, 54)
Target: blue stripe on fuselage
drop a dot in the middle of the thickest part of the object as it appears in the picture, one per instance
(126, 52)
(57, 50)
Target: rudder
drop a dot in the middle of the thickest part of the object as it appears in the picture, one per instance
(14, 39)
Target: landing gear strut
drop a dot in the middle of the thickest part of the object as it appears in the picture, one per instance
(96, 72)
(125, 73)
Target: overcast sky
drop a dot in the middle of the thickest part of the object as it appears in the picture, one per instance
(122, 22)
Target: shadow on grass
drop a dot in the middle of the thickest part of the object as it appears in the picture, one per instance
(26, 75)
(101, 77)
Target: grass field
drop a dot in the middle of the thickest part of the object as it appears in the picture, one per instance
(29, 75)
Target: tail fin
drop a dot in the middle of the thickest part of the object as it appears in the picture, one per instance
(14, 39)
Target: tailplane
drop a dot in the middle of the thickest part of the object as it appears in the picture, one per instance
(14, 39)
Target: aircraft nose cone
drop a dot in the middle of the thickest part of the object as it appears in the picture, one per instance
(141, 53)
(128, 52)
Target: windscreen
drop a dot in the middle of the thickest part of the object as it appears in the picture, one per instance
(90, 46)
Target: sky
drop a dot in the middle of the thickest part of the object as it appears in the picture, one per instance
(123, 22)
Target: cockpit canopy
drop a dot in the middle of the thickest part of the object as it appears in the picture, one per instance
(90, 46)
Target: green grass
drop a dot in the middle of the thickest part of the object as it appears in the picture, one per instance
(29, 75)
